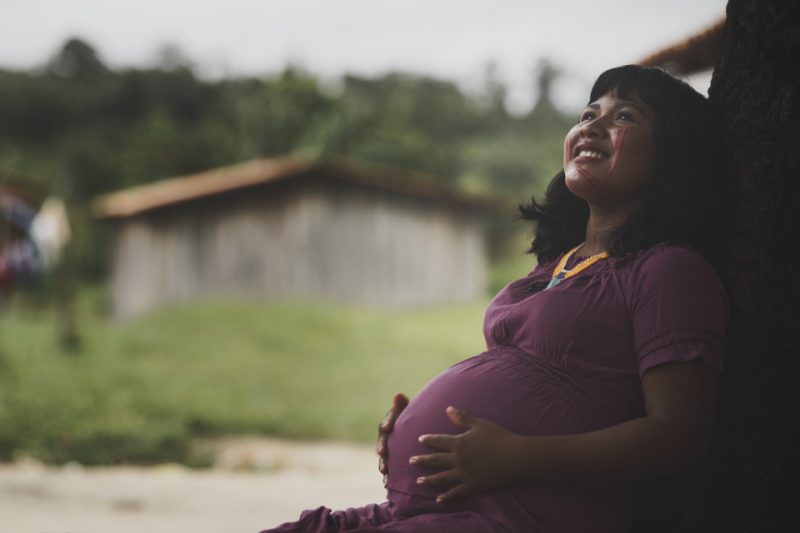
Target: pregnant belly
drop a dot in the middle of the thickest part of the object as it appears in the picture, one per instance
(529, 396)
(499, 385)
(503, 385)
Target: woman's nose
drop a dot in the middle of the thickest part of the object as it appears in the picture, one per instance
(593, 129)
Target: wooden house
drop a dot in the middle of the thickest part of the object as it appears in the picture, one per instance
(289, 229)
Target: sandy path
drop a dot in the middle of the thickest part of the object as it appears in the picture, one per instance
(282, 479)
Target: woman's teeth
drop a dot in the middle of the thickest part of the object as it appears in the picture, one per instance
(592, 154)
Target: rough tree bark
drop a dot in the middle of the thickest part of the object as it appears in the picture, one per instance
(756, 85)
(751, 484)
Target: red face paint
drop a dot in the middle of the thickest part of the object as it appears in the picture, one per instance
(624, 172)
(571, 141)
(591, 179)
(618, 144)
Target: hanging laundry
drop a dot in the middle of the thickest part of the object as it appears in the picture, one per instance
(35, 240)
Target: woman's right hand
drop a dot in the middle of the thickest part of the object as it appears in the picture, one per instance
(385, 428)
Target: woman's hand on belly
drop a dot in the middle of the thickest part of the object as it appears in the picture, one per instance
(480, 459)
(385, 428)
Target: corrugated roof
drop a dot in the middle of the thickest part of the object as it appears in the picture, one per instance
(143, 198)
(693, 54)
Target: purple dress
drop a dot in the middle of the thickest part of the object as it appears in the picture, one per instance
(563, 360)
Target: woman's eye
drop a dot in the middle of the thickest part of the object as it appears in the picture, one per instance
(586, 116)
(624, 115)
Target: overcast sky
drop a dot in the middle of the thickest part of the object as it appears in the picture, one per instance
(452, 39)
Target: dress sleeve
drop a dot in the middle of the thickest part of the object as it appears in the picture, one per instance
(679, 308)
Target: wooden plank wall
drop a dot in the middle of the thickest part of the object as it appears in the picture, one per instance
(310, 239)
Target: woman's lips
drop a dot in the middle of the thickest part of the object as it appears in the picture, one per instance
(591, 149)
(590, 158)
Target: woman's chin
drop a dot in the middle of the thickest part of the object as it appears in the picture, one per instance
(581, 186)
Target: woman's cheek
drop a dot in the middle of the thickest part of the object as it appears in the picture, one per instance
(617, 147)
(576, 177)
(569, 144)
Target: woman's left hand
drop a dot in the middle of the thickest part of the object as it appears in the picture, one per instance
(479, 459)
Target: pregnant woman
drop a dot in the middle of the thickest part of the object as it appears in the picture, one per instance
(601, 364)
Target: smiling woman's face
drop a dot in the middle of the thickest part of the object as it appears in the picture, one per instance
(609, 154)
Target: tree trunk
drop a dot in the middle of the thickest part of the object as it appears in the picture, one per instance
(754, 463)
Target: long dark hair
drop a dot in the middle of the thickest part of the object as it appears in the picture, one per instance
(687, 198)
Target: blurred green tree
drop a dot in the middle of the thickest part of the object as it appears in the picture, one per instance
(77, 59)
(77, 125)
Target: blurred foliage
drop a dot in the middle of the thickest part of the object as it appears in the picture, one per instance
(78, 128)
(142, 391)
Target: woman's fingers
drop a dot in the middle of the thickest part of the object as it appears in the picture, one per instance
(434, 460)
(459, 491)
(449, 442)
(381, 444)
(399, 402)
(439, 442)
(461, 418)
(448, 477)
(387, 424)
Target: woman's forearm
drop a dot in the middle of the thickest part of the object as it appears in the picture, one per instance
(674, 433)
(636, 449)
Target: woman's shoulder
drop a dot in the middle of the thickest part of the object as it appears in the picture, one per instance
(671, 257)
(670, 267)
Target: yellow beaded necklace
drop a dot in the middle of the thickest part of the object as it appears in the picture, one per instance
(560, 273)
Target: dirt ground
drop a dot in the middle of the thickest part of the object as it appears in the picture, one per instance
(256, 483)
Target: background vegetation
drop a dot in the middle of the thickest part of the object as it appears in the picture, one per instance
(142, 391)
(77, 128)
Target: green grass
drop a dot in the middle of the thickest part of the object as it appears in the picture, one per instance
(142, 391)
